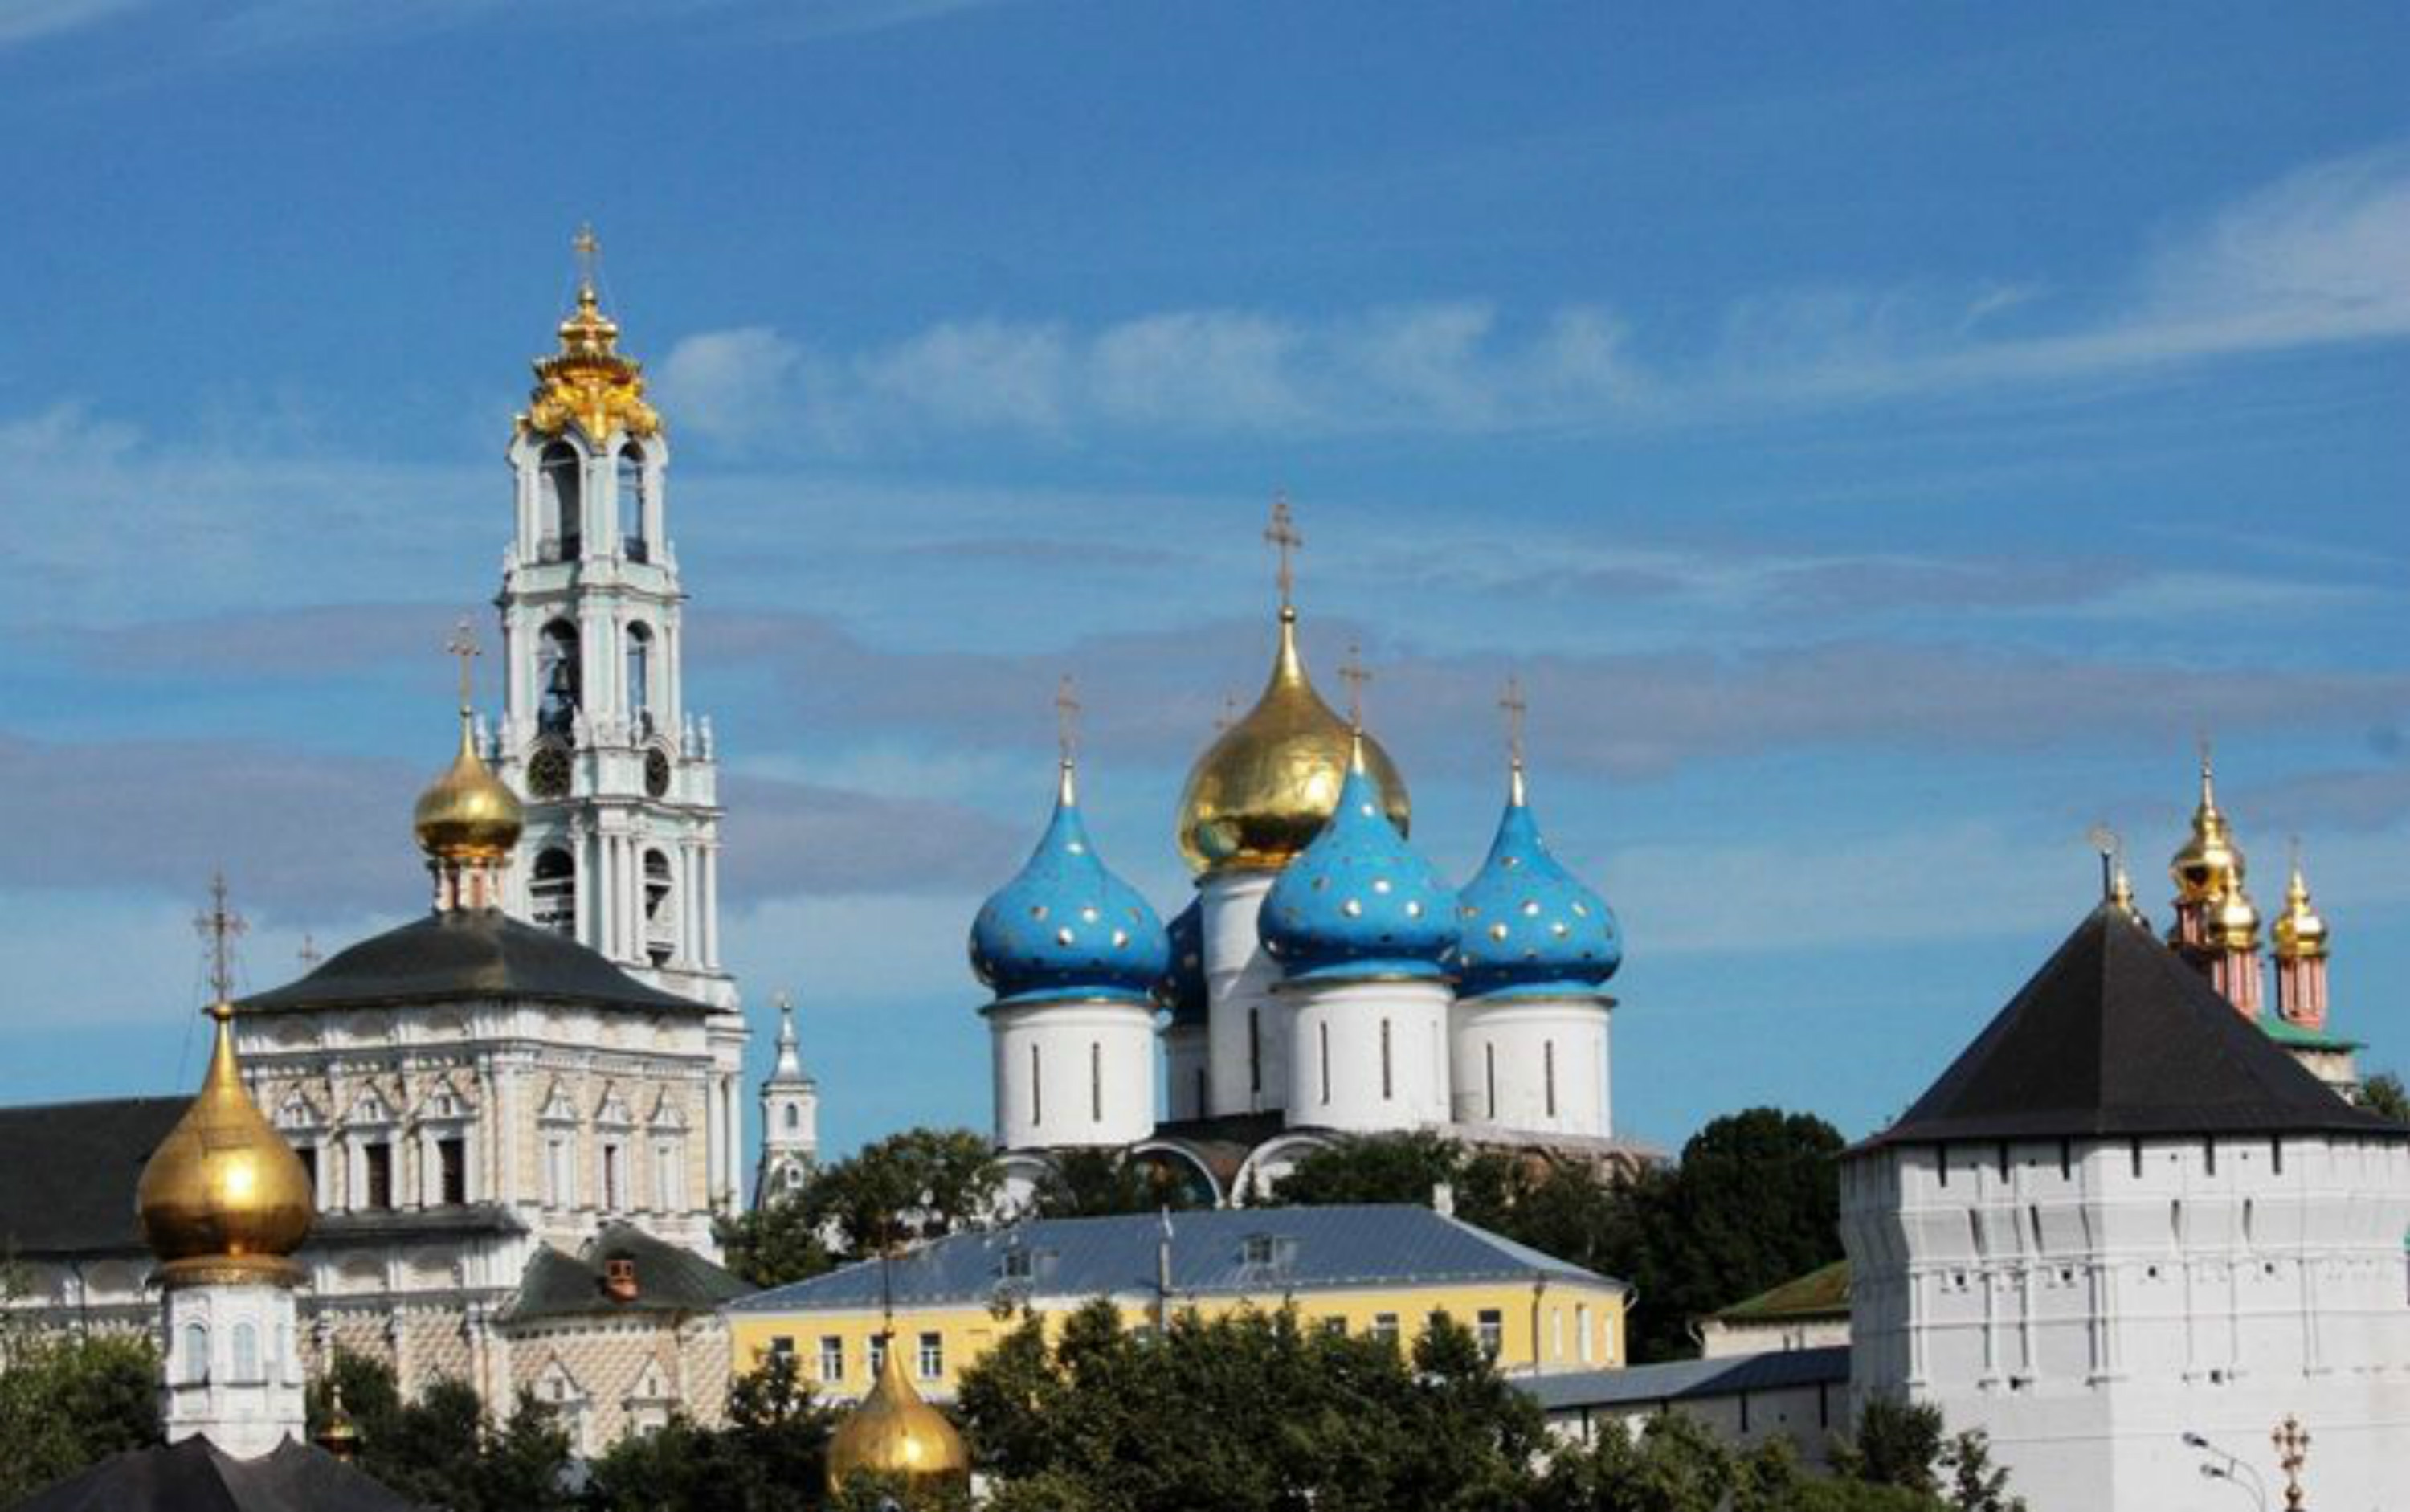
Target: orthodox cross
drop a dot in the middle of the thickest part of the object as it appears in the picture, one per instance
(221, 926)
(2292, 1453)
(1229, 715)
(1066, 721)
(309, 954)
(784, 1004)
(464, 645)
(1511, 702)
(1352, 672)
(2104, 840)
(589, 248)
(1283, 535)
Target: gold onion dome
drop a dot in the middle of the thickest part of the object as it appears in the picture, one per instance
(467, 814)
(224, 1193)
(1263, 790)
(2233, 919)
(2301, 934)
(2210, 864)
(892, 1433)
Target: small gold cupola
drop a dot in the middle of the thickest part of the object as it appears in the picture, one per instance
(224, 1198)
(588, 383)
(1267, 784)
(2210, 864)
(468, 820)
(2299, 933)
(893, 1434)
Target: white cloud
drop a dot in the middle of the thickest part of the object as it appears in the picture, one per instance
(25, 21)
(2319, 258)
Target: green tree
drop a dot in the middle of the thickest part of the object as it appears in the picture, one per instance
(1895, 1444)
(779, 1242)
(920, 1183)
(67, 1399)
(439, 1449)
(1094, 1184)
(2384, 1096)
(1373, 1168)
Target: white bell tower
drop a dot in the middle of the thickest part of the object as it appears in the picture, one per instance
(621, 850)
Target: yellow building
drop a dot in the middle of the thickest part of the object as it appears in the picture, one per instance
(1379, 1271)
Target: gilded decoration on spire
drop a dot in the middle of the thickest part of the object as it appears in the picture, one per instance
(2301, 934)
(2210, 865)
(588, 383)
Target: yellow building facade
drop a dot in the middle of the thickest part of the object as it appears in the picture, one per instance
(1366, 1271)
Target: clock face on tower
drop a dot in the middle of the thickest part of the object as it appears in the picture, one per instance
(657, 772)
(548, 771)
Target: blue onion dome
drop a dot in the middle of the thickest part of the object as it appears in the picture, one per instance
(1183, 988)
(1065, 927)
(1531, 927)
(1359, 901)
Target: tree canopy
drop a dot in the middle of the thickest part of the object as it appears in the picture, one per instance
(920, 1183)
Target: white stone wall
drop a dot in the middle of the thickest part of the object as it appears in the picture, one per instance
(2088, 1303)
(1187, 1072)
(234, 1369)
(1368, 1055)
(1532, 1063)
(1074, 1072)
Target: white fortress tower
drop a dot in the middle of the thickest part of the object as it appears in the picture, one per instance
(621, 849)
(2125, 1219)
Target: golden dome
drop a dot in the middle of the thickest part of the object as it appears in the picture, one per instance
(224, 1193)
(467, 814)
(1261, 792)
(2210, 864)
(893, 1433)
(589, 383)
(2301, 934)
(2234, 920)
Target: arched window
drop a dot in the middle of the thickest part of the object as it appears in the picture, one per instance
(559, 520)
(246, 1364)
(557, 666)
(636, 542)
(196, 1354)
(660, 918)
(552, 891)
(640, 670)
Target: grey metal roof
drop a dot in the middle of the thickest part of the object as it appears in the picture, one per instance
(1322, 1249)
(668, 1279)
(69, 1169)
(195, 1476)
(1684, 1380)
(465, 953)
(2116, 1036)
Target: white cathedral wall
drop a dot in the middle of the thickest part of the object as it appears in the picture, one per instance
(1536, 1065)
(1247, 1028)
(234, 1372)
(1073, 1072)
(2087, 1303)
(1368, 1055)
(1187, 1072)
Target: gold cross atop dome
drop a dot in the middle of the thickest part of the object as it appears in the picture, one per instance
(1067, 720)
(1282, 534)
(1511, 703)
(1353, 672)
(590, 384)
(464, 645)
(221, 926)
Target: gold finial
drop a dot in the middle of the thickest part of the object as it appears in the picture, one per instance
(2292, 1452)
(1511, 703)
(589, 248)
(2116, 888)
(1283, 535)
(1067, 736)
(1353, 672)
(221, 926)
(2299, 933)
(464, 645)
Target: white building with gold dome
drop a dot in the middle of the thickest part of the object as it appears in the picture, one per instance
(1323, 982)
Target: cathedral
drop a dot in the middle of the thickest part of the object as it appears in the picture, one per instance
(1325, 980)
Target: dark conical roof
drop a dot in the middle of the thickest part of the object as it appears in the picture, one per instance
(194, 1476)
(2116, 1036)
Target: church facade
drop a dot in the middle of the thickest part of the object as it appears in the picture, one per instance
(1324, 980)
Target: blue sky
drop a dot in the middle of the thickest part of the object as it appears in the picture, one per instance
(1880, 438)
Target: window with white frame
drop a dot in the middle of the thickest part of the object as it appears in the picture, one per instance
(831, 1359)
(933, 1356)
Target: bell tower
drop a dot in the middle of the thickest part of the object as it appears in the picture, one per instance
(620, 780)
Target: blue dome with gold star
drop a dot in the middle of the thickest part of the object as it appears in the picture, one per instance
(1531, 927)
(1183, 987)
(1359, 901)
(1065, 927)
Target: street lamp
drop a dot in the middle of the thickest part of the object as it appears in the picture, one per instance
(2228, 1469)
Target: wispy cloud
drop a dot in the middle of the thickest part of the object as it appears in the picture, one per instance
(27, 21)
(2317, 259)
